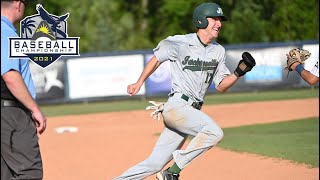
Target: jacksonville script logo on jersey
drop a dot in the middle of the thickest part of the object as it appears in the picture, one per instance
(43, 38)
(199, 65)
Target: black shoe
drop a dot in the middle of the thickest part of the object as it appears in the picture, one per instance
(166, 175)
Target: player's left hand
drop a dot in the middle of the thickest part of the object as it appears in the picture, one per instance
(157, 107)
(245, 64)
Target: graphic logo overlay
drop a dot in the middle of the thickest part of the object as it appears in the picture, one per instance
(43, 38)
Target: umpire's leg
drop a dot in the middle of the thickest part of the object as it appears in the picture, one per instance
(5, 171)
(20, 154)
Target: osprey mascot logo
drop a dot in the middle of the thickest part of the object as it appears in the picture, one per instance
(44, 38)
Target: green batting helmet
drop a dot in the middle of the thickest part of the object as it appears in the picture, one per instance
(205, 10)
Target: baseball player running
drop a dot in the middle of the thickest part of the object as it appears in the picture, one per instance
(196, 61)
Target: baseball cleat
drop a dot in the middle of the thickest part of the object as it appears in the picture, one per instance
(166, 175)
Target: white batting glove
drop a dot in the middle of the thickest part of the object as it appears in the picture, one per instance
(157, 107)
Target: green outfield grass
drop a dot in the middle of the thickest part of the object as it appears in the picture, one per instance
(135, 104)
(297, 141)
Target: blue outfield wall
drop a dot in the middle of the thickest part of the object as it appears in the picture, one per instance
(54, 86)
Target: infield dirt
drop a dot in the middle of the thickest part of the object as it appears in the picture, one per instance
(106, 144)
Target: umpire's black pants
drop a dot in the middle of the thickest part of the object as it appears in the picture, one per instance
(20, 153)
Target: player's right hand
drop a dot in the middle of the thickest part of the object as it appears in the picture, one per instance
(133, 89)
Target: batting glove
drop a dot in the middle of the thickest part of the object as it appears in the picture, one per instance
(157, 107)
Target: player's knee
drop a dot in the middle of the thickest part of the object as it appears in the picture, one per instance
(220, 134)
(216, 136)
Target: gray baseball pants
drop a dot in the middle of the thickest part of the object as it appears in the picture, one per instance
(20, 154)
(180, 120)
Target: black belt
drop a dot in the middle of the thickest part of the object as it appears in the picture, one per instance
(196, 105)
(11, 103)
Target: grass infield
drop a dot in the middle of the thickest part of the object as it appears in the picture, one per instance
(297, 141)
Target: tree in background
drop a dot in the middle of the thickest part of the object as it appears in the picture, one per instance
(118, 25)
(295, 20)
(245, 24)
(110, 25)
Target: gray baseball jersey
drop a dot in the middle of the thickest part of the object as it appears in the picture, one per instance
(193, 66)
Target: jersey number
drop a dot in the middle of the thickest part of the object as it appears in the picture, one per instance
(209, 78)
